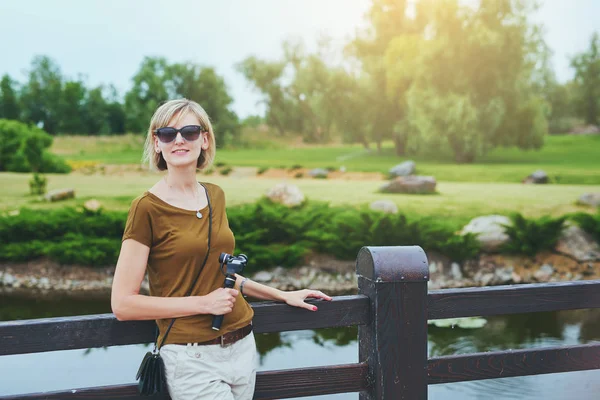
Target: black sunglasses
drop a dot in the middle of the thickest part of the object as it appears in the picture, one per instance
(168, 134)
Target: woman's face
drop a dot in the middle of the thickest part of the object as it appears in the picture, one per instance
(180, 152)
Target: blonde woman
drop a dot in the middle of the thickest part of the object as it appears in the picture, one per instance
(167, 235)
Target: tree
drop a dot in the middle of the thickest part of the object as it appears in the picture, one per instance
(40, 96)
(95, 112)
(386, 108)
(267, 77)
(148, 92)
(9, 105)
(587, 81)
(470, 78)
(115, 111)
(72, 108)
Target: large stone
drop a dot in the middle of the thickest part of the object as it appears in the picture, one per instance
(489, 231)
(590, 199)
(386, 206)
(544, 273)
(410, 184)
(92, 205)
(537, 177)
(404, 169)
(60, 194)
(318, 173)
(578, 244)
(286, 194)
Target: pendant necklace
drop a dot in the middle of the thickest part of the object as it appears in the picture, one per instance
(198, 213)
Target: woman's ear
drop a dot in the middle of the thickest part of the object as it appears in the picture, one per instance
(204, 142)
(156, 145)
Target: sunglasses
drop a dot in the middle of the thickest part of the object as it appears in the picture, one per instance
(189, 133)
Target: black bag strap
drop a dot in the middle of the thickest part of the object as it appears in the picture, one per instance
(210, 214)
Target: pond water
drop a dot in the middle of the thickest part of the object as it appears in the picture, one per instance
(117, 365)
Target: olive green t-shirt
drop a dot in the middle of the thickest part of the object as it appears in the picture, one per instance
(178, 242)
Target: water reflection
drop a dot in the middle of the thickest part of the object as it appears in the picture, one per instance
(320, 347)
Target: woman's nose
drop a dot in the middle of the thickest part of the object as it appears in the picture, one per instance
(179, 138)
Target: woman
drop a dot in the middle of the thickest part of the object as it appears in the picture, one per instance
(167, 232)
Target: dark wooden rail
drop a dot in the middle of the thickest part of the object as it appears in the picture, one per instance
(391, 311)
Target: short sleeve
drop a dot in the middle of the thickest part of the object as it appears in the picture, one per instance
(138, 226)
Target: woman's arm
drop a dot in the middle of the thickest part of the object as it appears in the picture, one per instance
(128, 304)
(294, 298)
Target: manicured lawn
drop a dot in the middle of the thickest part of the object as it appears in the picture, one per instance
(455, 200)
(566, 159)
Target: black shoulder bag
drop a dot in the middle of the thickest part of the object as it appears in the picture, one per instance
(151, 374)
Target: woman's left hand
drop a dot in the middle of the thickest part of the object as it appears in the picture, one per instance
(296, 298)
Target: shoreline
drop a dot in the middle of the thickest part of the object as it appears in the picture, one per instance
(46, 278)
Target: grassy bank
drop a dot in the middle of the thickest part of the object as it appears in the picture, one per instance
(572, 160)
(455, 200)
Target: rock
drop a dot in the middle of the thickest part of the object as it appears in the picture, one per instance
(263, 276)
(489, 231)
(318, 173)
(516, 278)
(92, 205)
(8, 279)
(504, 275)
(577, 243)
(544, 273)
(455, 272)
(286, 194)
(537, 177)
(404, 169)
(486, 279)
(60, 194)
(410, 184)
(386, 206)
(590, 199)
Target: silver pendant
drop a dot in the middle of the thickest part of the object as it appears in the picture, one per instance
(199, 214)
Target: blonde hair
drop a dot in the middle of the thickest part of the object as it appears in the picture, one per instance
(161, 118)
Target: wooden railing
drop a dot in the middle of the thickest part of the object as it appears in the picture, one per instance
(391, 310)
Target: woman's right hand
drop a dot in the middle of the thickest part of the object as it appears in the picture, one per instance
(219, 301)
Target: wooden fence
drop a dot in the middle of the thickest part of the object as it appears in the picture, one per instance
(391, 311)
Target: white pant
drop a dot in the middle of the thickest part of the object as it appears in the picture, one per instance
(211, 372)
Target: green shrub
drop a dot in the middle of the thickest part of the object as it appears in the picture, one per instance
(220, 164)
(530, 236)
(37, 184)
(19, 252)
(226, 171)
(589, 223)
(262, 170)
(298, 175)
(23, 148)
(295, 167)
(81, 250)
(52, 225)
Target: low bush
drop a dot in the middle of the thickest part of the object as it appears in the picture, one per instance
(589, 223)
(37, 184)
(530, 236)
(270, 234)
(226, 171)
(262, 170)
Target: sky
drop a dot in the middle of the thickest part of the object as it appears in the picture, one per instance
(105, 40)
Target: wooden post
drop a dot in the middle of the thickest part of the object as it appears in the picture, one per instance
(394, 342)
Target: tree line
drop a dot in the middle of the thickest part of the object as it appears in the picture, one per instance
(425, 74)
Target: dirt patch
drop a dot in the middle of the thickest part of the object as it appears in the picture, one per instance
(236, 172)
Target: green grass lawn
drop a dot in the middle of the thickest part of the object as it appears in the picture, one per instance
(456, 200)
(566, 159)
